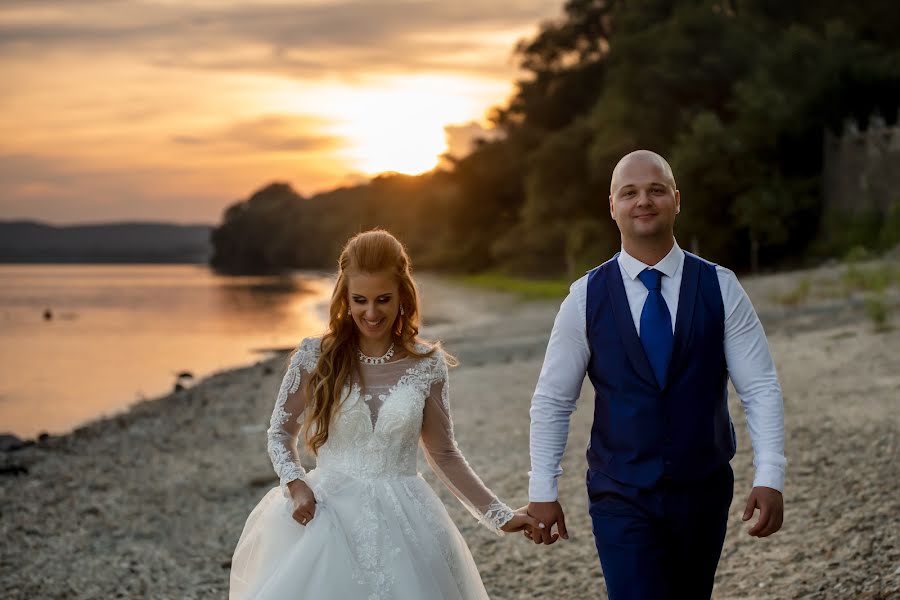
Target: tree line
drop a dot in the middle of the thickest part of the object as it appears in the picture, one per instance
(736, 94)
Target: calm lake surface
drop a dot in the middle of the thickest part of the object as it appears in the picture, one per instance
(122, 333)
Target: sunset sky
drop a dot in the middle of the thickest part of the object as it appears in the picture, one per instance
(172, 110)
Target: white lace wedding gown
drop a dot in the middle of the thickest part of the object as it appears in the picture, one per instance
(379, 531)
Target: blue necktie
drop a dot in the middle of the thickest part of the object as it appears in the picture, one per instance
(656, 325)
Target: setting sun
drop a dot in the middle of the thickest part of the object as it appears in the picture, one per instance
(206, 102)
(398, 125)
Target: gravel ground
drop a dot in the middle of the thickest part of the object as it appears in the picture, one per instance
(150, 504)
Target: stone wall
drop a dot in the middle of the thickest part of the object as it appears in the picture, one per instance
(862, 168)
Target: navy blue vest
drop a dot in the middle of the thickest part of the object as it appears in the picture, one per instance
(641, 432)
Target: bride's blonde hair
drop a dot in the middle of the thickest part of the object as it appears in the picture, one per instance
(372, 251)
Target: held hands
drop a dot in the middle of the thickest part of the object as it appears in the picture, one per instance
(304, 501)
(771, 511)
(521, 521)
(547, 514)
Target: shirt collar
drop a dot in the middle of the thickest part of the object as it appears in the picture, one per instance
(668, 266)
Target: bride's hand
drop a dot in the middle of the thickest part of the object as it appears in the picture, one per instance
(304, 501)
(521, 519)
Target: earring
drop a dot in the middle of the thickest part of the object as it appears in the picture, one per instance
(402, 312)
(348, 312)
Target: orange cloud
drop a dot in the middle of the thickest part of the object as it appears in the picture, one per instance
(172, 110)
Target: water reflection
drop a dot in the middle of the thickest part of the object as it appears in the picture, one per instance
(123, 332)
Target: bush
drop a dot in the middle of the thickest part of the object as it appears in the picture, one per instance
(798, 295)
(873, 278)
(890, 230)
(877, 310)
(856, 254)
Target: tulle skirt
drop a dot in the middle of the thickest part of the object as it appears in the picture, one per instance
(371, 539)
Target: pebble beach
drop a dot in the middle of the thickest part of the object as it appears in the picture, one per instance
(150, 503)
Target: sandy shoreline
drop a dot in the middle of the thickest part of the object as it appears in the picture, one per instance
(151, 502)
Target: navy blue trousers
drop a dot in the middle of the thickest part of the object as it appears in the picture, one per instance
(663, 543)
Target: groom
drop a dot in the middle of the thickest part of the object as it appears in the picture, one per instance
(659, 332)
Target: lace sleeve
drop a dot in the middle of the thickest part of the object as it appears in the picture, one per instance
(284, 426)
(448, 463)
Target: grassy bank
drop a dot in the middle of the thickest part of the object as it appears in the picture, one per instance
(524, 288)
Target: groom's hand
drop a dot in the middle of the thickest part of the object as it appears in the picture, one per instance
(770, 503)
(549, 514)
(521, 521)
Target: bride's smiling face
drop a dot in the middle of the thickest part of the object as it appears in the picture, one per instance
(374, 300)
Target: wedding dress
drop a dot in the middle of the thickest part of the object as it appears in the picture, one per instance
(379, 531)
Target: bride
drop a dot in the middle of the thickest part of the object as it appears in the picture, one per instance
(363, 524)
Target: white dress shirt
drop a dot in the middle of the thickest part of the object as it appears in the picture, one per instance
(747, 356)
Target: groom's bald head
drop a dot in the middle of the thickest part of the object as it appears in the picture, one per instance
(641, 158)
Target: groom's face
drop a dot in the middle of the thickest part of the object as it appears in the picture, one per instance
(643, 200)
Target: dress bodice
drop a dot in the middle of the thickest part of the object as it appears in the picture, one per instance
(386, 409)
(376, 432)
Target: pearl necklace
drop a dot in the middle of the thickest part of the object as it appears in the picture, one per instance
(371, 360)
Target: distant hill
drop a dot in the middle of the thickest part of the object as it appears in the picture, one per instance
(33, 242)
